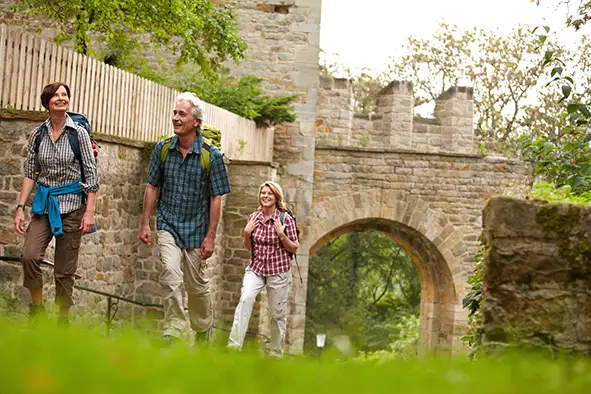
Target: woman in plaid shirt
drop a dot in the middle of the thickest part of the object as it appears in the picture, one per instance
(273, 249)
(63, 206)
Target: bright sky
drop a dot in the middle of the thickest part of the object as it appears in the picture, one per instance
(365, 33)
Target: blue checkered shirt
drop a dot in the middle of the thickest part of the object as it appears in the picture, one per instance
(185, 190)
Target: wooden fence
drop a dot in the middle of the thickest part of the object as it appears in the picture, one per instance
(118, 103)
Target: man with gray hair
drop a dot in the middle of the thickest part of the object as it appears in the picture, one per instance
(189, 193)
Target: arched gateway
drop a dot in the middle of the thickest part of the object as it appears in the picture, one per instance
(432, 242)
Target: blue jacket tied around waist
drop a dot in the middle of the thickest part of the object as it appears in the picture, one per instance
(46, 196)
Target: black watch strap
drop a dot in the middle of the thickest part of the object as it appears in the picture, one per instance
(20, 206)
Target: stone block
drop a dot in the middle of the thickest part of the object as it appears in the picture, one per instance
(537, 275)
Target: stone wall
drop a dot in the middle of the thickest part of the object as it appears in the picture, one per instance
(394, 125)
(537, 277)
(37, 25)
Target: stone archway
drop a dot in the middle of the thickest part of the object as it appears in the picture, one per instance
(432, 242)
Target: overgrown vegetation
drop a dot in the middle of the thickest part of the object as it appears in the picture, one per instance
(564, 158)
(364, 293)
(42, 359)
(473, 302)
(548, 191)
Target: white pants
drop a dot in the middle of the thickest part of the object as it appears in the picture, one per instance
(277, 292)
(183, 266)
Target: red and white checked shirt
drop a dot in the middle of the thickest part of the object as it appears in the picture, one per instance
(270, 256)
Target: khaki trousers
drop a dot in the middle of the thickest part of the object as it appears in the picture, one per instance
(277, 292)
(183, 267)
(66, 254)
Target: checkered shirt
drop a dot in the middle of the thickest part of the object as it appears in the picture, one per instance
(55, 163)
(185, 190)
(270, 256)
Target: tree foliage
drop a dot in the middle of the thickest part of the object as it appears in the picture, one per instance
(435, 64)
(194, 30)
(504, 70)
(563, 157)
(365, 286)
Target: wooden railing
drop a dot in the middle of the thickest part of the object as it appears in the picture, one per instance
(118, 103)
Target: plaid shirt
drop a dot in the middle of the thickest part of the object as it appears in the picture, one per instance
(55, 163)
(270, 256)
(185, 190)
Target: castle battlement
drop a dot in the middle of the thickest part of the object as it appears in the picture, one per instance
(395, 124)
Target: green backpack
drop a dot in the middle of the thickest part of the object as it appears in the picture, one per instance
(211, 136)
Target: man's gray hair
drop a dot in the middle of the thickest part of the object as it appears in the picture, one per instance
(195, 102)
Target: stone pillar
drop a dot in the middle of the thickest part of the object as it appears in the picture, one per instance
(334, 119)
(283, 48)
(454, 109)
(395, 110)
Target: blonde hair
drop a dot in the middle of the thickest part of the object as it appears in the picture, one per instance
(277, 192)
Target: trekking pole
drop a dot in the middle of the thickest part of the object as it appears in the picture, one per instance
(298, 267)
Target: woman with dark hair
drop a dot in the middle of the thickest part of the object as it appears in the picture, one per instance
(63, 206)
(273, 244)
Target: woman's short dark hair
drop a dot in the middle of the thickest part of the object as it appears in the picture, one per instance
(49, 91)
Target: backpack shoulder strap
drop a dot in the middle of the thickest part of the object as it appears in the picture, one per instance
(164, 150)
(75, 144)
(38, 135)
(282, 217)
(206, 155)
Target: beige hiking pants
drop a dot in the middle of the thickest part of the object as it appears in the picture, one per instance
(183, 267)
(277, 292)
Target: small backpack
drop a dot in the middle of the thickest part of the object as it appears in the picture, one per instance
(80, 120)
(211, 136)
(290, 213)
(295, 222)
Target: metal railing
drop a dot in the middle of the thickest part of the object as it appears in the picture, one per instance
(112, 299)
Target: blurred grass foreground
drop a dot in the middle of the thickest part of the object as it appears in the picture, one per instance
(42, 358)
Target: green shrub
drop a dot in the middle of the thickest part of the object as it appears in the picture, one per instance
(550, 192)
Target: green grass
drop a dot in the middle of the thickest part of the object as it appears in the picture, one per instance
(43, 359)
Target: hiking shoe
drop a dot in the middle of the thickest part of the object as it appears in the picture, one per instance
(36, 311)
(63, 322)
(169, 340)
(202, 338)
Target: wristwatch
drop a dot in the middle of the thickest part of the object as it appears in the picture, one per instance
(20, 206)
(282, 237)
